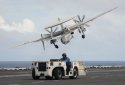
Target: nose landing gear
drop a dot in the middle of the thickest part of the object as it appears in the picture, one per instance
(56, 46)
(53, 42)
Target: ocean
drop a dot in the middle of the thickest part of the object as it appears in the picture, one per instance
(28, 64)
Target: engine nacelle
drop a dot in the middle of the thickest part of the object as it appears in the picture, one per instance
(66, 39)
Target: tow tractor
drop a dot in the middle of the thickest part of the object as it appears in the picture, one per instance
(56, 69)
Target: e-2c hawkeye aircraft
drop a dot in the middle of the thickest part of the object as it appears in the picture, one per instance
(65, 34)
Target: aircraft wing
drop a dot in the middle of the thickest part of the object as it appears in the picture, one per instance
(42, 39)
(74, 27)
(59, 23)
(90, 20)
(28, 42)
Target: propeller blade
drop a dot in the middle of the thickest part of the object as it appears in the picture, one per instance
(79, 30)
(59, 19)
(61, 24)
(55, 30)
(83, 18)
(62, 27)
(79, 18)
(76, 21)
(42, 42)
(83, 29)
(51, 33)
(47, 30)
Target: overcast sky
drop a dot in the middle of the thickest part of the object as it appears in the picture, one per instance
(25, 20)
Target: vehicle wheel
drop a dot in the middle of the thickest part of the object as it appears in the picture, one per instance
(34, 76)
(57, 73)
(75, 74)
(48, 77)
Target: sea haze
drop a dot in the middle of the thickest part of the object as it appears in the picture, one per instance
(12, 64)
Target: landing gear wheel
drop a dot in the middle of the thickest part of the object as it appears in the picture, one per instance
(57, 73)
(83, 36)
(34, 76)
(56, 46)
(72, 33)
(75, 74)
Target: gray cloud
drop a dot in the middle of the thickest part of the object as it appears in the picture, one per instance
(26, 26)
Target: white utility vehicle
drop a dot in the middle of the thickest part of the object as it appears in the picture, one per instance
(56, 69)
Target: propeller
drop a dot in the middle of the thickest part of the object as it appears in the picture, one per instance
(81, 19)
(42, 42)
(81, 29)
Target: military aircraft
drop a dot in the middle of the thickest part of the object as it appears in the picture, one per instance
(65, 34)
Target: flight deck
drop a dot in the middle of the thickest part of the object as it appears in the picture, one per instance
(93, 77)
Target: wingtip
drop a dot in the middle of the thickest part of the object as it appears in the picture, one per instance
(115, 7)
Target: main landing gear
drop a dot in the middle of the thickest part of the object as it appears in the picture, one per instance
(83, 36)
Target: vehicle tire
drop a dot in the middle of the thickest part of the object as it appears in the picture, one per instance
(75, 74)
(57, 73)
(34, 76)
(48, 77)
